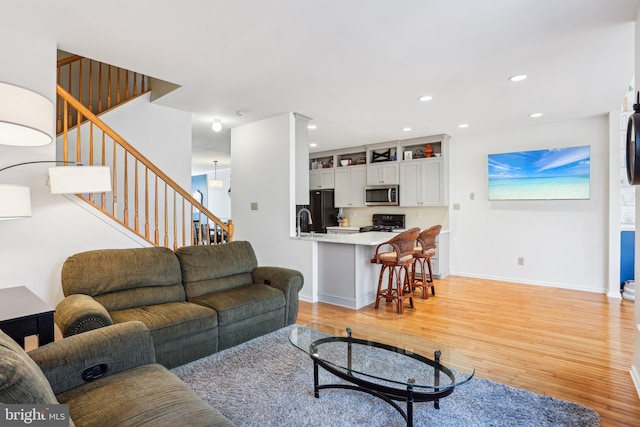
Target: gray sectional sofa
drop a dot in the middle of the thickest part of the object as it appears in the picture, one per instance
(195, 301)
(124, 388)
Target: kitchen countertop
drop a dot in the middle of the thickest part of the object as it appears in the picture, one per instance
(370, 238)
(344, 228)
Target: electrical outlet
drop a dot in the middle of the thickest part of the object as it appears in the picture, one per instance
(254, 206)
(520, 260)
(472, 196)
(456, 206)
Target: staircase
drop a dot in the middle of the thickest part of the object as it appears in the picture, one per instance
(144, 199)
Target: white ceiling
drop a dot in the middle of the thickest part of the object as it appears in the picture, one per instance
(356, 67)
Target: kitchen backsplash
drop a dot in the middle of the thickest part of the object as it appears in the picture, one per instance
(414, 216)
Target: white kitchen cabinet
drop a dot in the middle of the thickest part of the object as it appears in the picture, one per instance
(321, 179)
(383, 173)
(350, 182)
(423, 183)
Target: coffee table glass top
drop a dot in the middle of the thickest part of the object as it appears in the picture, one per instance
(407, 360)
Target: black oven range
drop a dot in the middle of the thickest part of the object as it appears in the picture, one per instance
(385, 222)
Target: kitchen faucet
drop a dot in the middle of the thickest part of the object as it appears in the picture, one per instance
(299, 216)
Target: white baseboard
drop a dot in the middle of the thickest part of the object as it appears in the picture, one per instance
(530, 282)
(635, 376)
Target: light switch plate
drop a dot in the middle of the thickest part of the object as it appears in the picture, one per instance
(254, 206)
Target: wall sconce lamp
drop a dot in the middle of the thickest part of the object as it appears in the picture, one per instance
(15, 201)
(26, 117)
(215, 182)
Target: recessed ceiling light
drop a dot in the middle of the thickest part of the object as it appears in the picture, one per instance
(425, 98)
(312, 127)
(535, 115)
(407, 129)
(313, 144)
(463, 125)
(518, 78)
(216, 126)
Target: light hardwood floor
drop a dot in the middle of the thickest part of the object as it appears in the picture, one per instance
(572, 345)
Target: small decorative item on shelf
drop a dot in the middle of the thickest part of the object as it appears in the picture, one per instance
(408, 155)
(419, 153)
(361, 160)
(331, 163)
(385, 156)
(428, 151)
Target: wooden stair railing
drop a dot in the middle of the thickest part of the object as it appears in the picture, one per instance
(143, 198)
(97, 85)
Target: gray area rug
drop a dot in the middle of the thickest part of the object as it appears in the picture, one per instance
(268, 382)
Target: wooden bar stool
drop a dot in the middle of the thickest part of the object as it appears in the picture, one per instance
(422, 254)
(396, 261)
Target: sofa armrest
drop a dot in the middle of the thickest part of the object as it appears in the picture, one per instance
(117, 347)
(80, 313)
(288, 281)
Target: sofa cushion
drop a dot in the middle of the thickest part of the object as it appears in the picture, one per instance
(148, 395)
(21, 380)
(211, 268)
(124, 278)
(171, 321)
(243, 302)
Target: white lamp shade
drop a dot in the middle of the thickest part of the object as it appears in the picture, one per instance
(15, 202)
(79, 179)
(26, 117)
(216, 183)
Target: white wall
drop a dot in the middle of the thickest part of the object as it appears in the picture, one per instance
(161, 134)
(34, 249)
(635, 368)
(219, 202)
(564, 243)
(265, 178)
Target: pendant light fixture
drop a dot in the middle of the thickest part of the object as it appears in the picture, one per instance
(215, 182)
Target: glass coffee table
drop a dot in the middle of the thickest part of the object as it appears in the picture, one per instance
(387, 364)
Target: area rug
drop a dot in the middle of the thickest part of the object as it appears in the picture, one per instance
(268, 382)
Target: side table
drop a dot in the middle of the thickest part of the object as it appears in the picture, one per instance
(23, 314)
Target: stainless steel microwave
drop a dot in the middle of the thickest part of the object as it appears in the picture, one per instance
(381, 195)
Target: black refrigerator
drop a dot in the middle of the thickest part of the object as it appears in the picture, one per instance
(323, 213)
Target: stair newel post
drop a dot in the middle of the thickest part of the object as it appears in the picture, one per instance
(108, 86)
(146, 203)
(114, 176)
(100, 88)
(126, 187)
(104, 161)
(91, 198)
(166, 215)
(156, 231)
(136, 217)
(175, 222)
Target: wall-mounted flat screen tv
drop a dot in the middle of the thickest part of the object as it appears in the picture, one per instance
(553, 174)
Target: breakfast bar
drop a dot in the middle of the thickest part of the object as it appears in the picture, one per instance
(346, 276)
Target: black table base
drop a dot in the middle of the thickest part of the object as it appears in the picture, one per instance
(386, 393)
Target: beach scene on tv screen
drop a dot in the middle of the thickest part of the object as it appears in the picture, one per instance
(553, 174)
